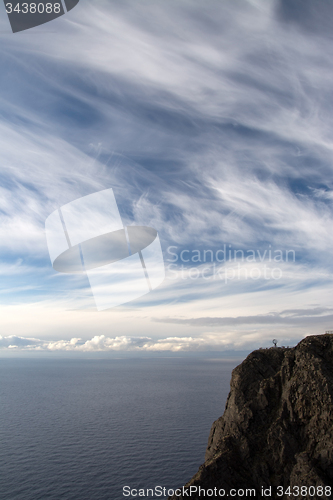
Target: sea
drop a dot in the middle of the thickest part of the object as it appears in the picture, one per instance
(84, 429)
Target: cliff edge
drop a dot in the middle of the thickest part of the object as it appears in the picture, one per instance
(277, 428)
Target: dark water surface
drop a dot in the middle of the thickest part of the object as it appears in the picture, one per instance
(83, 429)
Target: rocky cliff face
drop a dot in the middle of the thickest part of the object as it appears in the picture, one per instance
(277, 428)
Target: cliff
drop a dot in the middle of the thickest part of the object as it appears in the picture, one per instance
(277, 428)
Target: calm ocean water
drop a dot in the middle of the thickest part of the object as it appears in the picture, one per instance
(83, 429)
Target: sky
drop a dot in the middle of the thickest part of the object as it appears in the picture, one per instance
(212, 122)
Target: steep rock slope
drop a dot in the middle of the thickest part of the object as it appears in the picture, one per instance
(277, 428)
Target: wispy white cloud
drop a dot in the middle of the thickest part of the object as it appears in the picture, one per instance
(302, 317)
(212, 124)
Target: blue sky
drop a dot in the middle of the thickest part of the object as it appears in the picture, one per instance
(212, 122)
